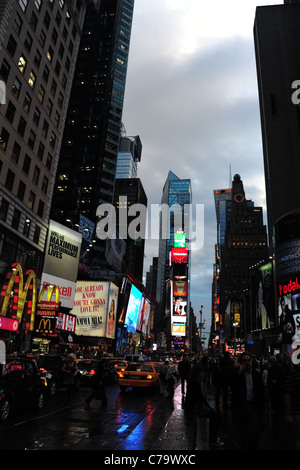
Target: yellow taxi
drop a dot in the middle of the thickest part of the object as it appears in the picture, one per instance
(138, 374)
(120, 365)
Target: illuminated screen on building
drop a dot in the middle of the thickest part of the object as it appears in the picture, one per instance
(133, 309)
(179, 255)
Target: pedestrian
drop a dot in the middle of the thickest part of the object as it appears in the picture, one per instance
(184, 369)
(70, 371)
(216, 378)
(291, 389)
(163, 377)
(247, 402)
(98, 385)
(226, 367)
(275, 381)
(196, 407)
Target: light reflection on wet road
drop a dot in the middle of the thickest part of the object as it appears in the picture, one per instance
(130, 421)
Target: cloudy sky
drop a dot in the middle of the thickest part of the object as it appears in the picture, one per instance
(191, 96)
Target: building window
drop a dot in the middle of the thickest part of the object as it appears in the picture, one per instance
(3, 209)
(31, 139)
(10, 178)
(23, 4)
(22, 126)
(37, 58)
(40, 152)
(27, 103)
(22, 64)
(45, 184)
(18, 23)
(31, 200)
(16, 219)
(16, 152)
(41, 94)
(32, 79)
(10, 112)
(40, 210)
(11, 45)
(36, 235)
(36, 116)
(21, 191)
(5, 69)
(49, 161)
(4, 138)
(16, 88)
(36, 175)
(26, 164)
(28, 42)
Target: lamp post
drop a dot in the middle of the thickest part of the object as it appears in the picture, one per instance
(201, 327)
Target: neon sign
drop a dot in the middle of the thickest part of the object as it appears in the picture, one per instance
(14, 294)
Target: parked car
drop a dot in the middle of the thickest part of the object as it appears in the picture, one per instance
(20, 385)
(138, 374)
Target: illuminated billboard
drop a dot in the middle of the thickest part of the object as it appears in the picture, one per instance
(179, 256)
(144, 314)
(95, 306)
(133, 309)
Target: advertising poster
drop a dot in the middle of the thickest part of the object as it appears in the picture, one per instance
(144, 315)
(62, 252)
(133, 309)
(91, 308)
(112, 311)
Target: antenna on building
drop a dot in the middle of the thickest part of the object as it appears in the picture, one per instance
(123, 130)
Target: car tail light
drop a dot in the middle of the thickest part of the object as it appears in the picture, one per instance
(92, 372)
(149, 377)
(121, 375)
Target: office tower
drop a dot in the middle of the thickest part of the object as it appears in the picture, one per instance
(39, 44)
(129, 155)
(277, 43)
(128, 192)
(223, 205)
(174, 255)
(88, 159)
(245, 245)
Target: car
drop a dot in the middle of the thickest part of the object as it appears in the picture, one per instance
(138, 374)
(119, 365)
(51, 367)
(88, 367)
(135, 358)
(20, 385)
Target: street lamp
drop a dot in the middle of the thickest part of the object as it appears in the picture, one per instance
(235, 324)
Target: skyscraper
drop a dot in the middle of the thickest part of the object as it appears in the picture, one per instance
(277, 43)
(88, 159)
(176, 201)
(245, 245)
(38, 50)
(130, 151)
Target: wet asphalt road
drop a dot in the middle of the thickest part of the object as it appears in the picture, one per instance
(130, 421)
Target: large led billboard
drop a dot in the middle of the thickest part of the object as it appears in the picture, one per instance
(133, 309)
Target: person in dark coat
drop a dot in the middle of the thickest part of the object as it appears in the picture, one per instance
(184, 370)
(196, 406)
(98, 385)
(247, 402)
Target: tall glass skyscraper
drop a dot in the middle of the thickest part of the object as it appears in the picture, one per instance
(177, 198)
(88, 158)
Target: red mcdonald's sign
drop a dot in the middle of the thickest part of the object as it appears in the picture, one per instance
(14, 294)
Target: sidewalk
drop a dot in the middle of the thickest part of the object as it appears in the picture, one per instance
(176, 434)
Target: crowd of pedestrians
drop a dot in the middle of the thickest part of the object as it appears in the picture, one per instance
(258, 392)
